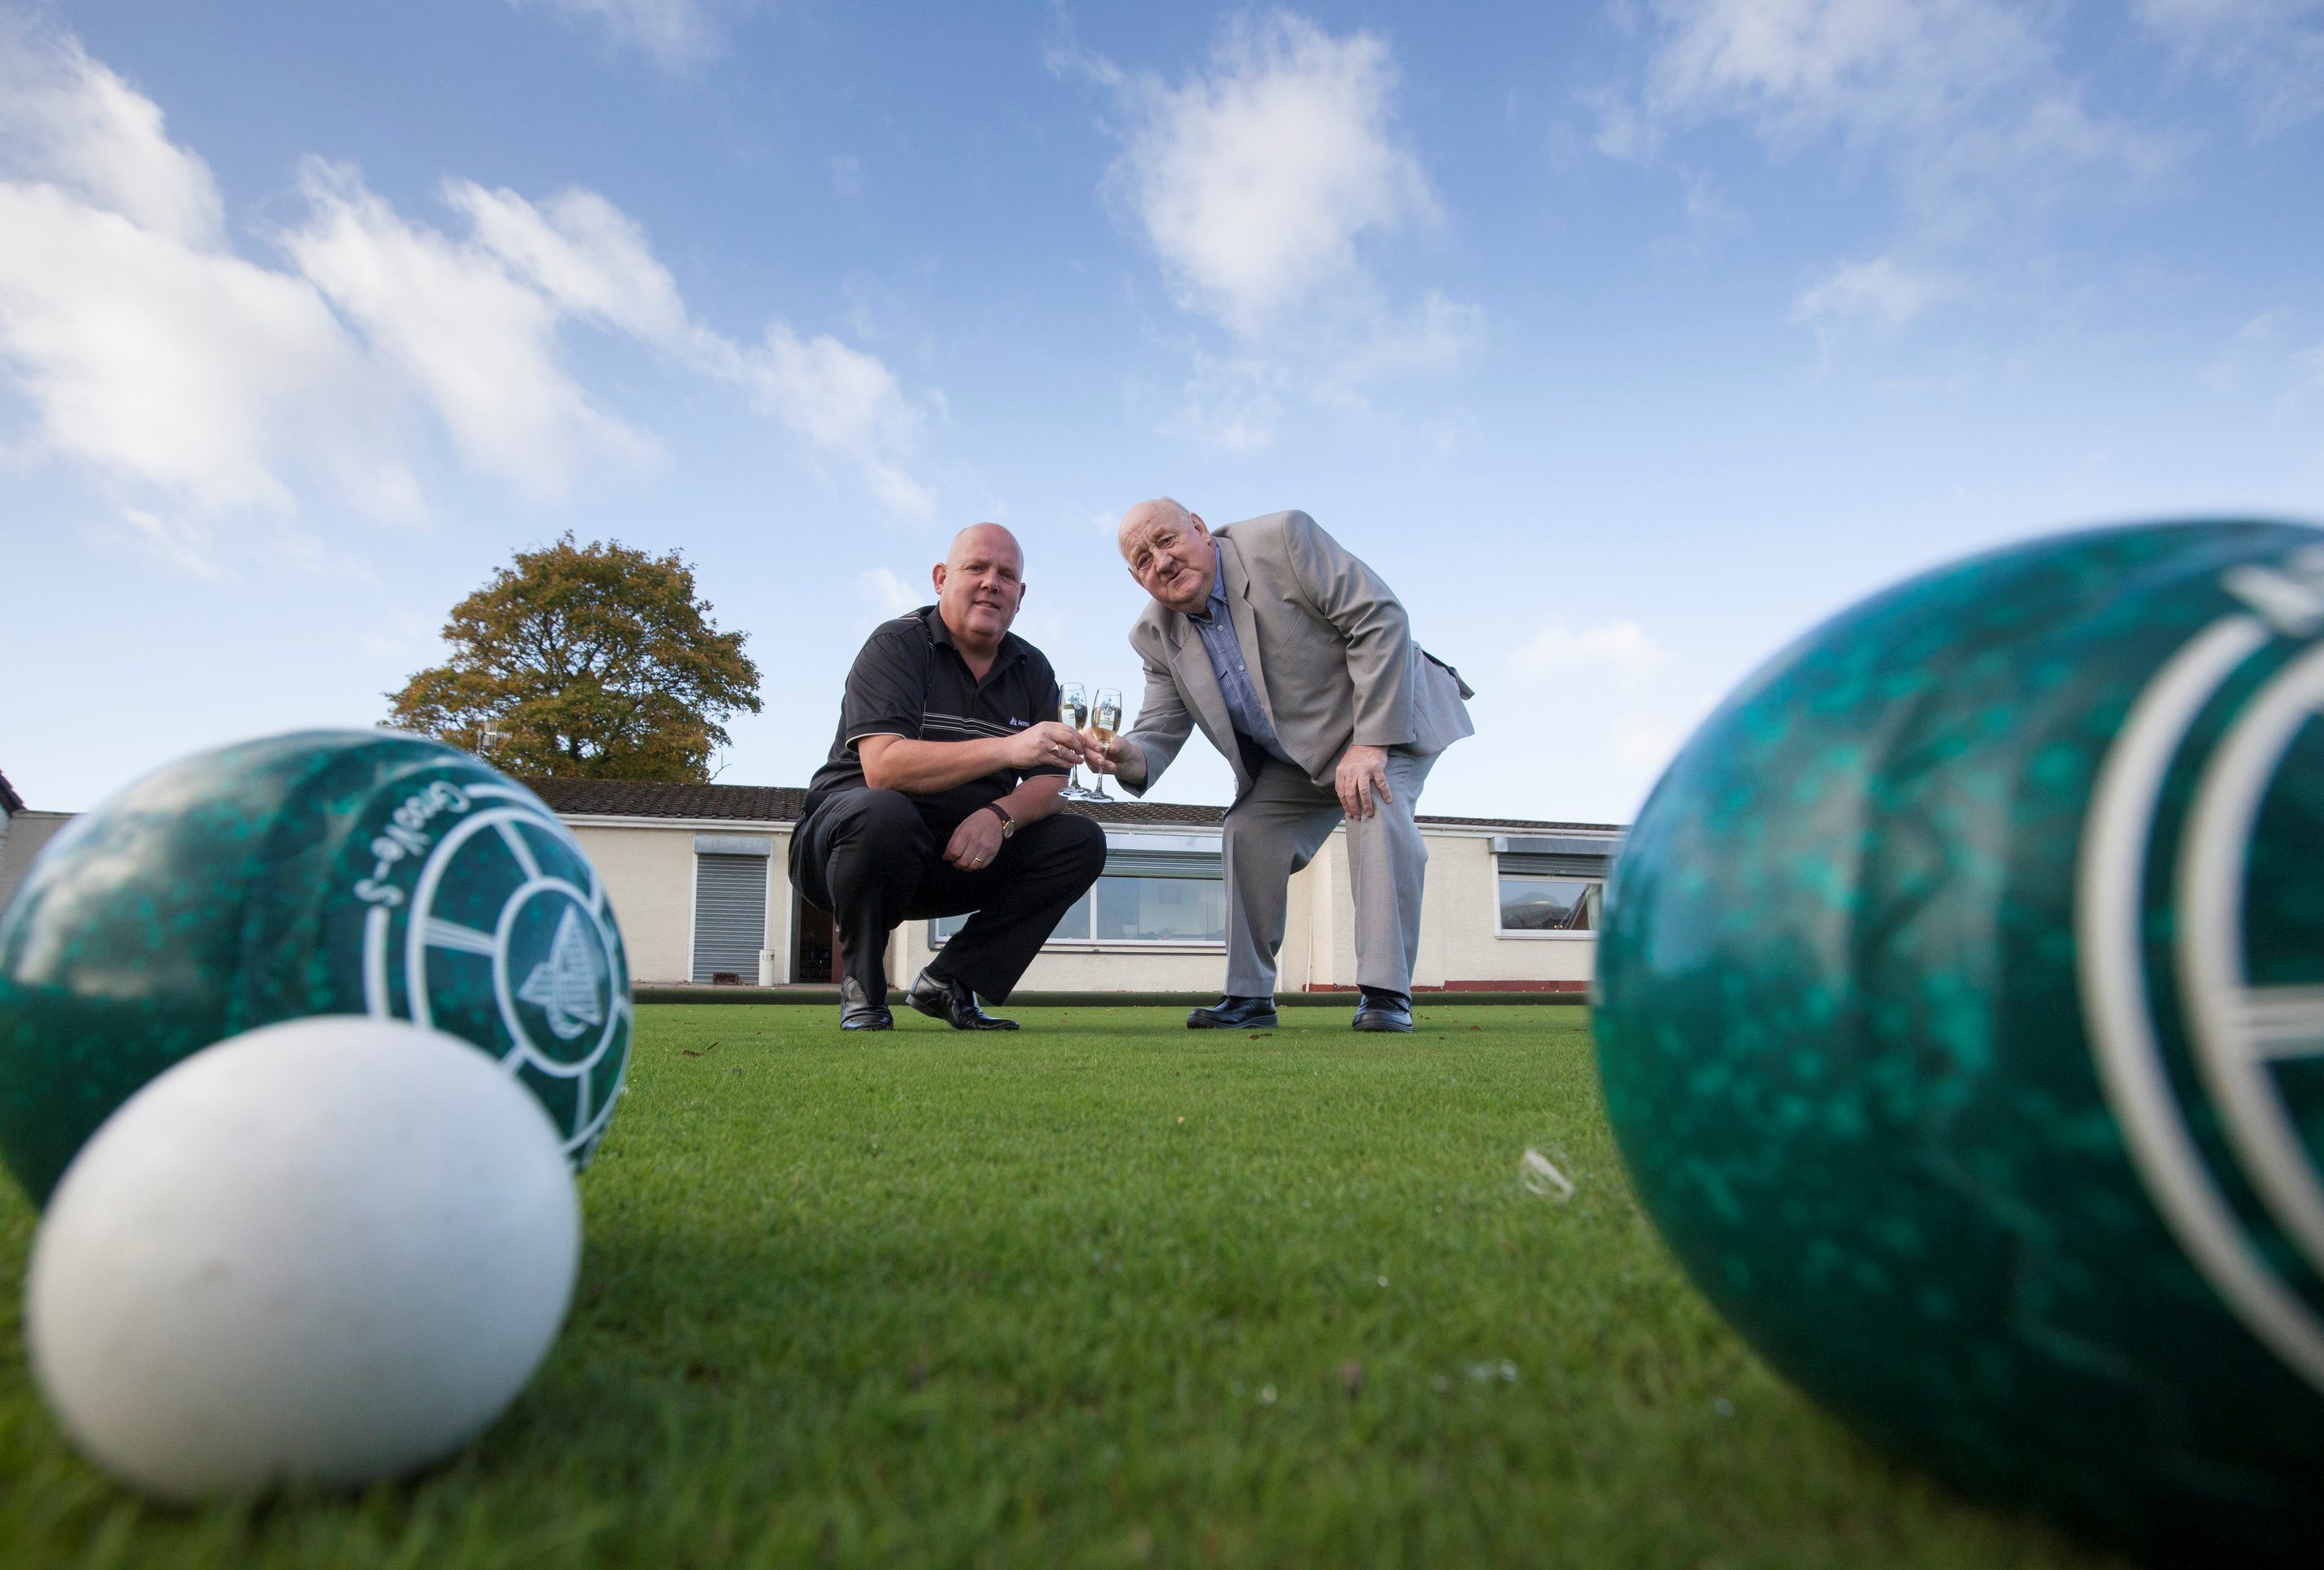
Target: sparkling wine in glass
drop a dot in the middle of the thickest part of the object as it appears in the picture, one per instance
(1104, 720)
(1072, 708)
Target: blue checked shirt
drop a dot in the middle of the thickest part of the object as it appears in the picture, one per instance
(1225, 651)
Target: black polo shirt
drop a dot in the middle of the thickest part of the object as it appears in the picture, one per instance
(910, 681)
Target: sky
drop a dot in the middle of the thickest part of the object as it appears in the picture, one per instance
(1626, 341)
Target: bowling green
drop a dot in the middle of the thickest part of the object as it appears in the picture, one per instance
(1102, 1292)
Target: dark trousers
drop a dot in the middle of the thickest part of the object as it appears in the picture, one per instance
(875, 859)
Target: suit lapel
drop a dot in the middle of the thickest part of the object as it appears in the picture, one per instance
(1246, 624)
(1190, 664)
(1200, 683)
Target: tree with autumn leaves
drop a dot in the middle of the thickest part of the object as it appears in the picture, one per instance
(593, 661)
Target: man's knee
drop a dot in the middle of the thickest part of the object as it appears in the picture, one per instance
(1257, 851)
(882, 818)
(1068, 847)
(1084, 843)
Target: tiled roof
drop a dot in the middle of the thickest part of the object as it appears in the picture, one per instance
(9, 800)
(785, 803)
(659, 798)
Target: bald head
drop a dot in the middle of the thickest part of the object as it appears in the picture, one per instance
(1164, 509)
(985, 540)
(979, 584)
(1169, 552)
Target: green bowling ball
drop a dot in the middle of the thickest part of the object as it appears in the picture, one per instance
(1962, 1028)
(325, 872)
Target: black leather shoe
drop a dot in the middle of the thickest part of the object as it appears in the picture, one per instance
(1235, 1013)
(859, 1013)
(941, 998)
(1383, 1011)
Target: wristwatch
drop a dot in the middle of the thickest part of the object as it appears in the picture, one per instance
(1008, 824)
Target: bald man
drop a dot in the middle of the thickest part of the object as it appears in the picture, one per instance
(940, 798)
(1296, 660)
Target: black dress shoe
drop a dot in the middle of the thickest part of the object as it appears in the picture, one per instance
(1383, 1011)
(857, 1012)
(943, 998)
(1235, 1013)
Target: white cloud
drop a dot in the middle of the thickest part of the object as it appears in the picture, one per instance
(846, 174)
(1960, 104)
(845, 401)
(144, 349)
(1262, 182)
(192, 372)
(676, 33)
(1644, 743)
(594, 262)
(1436, 336)
(584, 254)
(1881, 292)
(1622, 648)
(2272, 50)
(184, 546)
(1255, 181)
(2311, 361)
(1232, 403)
(1864, 68)
(192, 382)
(886, 594)
(2252, 356)
(67, 120)
(478, 342)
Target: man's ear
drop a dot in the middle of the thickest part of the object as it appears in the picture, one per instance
(936, 576)
(1201, 528)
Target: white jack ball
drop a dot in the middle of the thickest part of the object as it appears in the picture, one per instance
(329, 1251)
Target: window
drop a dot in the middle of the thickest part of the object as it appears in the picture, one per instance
(1532, 904)
(1160, 910)
(1551, 883)
(1156, 889)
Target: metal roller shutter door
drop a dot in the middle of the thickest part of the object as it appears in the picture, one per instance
(729, 914)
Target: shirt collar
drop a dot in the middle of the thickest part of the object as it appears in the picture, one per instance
(940, 632)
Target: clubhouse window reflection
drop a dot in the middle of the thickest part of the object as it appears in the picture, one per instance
(1538, 904)
(1133, 909)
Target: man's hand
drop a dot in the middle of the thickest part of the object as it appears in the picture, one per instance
(975, 842)
(1119, 757)
(1045, 745)
(1362, 780)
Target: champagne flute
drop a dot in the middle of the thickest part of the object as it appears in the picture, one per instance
(1072, 708)
(1104, 720)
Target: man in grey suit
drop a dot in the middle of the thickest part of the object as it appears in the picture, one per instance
(1294, 659)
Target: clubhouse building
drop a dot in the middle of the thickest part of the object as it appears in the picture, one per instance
(699, 879)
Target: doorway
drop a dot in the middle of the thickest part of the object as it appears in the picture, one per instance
(815, 944)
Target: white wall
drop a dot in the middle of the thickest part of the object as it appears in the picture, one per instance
(1461, 945)
(648, 865)
(28, 831)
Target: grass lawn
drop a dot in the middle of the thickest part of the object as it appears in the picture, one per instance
(1102, 1292)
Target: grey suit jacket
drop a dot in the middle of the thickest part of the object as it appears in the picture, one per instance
(1328, 648)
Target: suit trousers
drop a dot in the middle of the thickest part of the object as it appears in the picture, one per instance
(1277, 828)
(874, 859)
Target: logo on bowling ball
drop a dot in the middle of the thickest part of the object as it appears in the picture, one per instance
(2197, 887)
(484, 918)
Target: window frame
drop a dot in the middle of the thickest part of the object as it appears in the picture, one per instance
(1573, 859)
(1558, 935)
